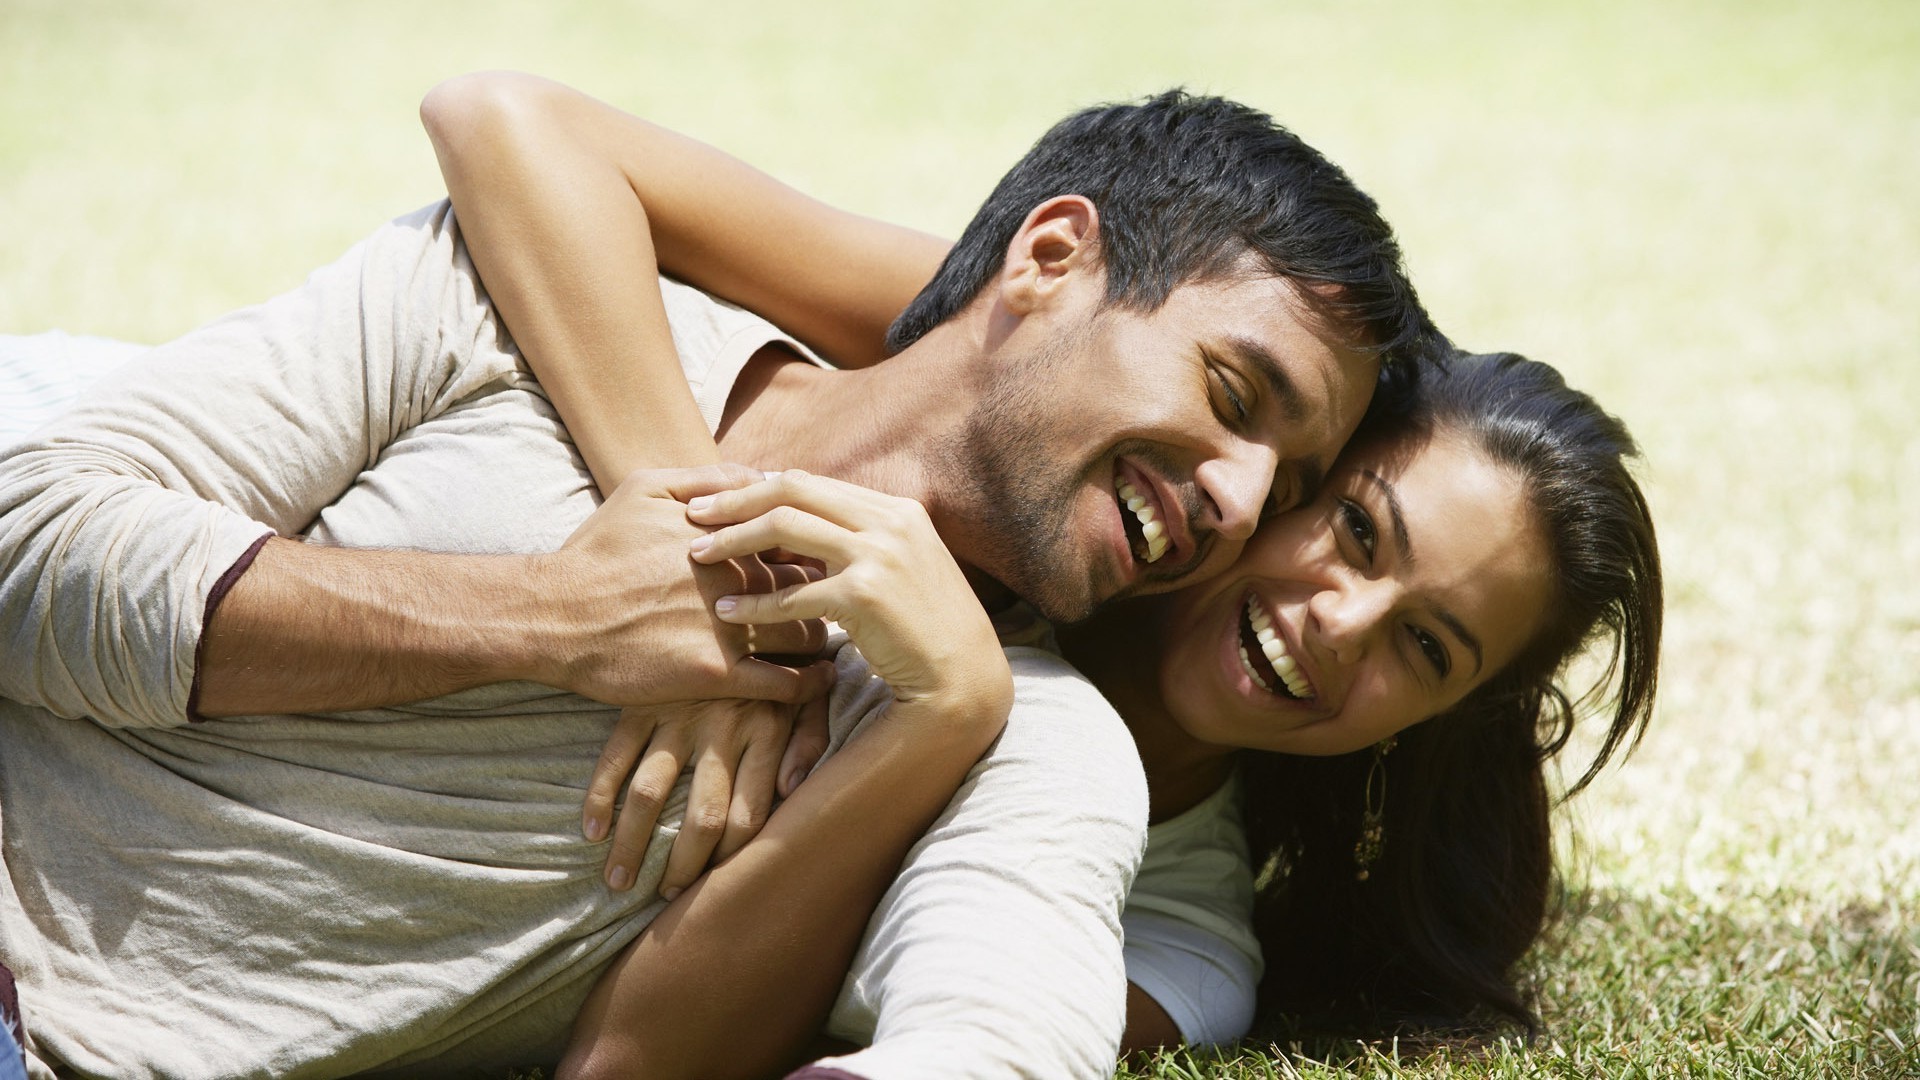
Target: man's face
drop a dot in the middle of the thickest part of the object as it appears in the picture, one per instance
(1120, 453)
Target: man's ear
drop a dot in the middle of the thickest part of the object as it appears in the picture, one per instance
(1059, 239)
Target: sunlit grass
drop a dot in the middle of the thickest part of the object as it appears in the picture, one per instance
(1706, 213)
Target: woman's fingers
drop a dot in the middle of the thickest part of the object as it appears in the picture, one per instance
(705, 819)
(646, 793)
(623, 748)
(753, 790)
(781, 526)
(847, 505)
(806, 745)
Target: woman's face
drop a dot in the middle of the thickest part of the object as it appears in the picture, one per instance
(1417, 574)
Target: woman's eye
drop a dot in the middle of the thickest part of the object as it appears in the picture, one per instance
(1435, 652)
(1359, 526)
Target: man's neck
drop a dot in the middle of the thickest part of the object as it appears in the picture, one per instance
(878, 427)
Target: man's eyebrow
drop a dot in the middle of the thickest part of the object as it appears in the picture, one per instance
(1405, 544)
(1255, 355)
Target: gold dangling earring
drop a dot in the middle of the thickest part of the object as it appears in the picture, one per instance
(1373, 817)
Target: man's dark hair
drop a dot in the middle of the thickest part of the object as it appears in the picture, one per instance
(1189, 188)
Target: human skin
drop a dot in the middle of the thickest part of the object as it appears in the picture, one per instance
(534, 167)
(668, 180)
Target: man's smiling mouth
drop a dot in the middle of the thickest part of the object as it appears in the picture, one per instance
(1264, 657)
(1146, 534)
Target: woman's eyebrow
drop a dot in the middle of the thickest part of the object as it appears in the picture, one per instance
(1400, 538)
(1453, 623)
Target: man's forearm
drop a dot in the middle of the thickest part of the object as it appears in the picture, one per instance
(308, 628)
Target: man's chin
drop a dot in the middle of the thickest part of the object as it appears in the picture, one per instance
(1062, 606)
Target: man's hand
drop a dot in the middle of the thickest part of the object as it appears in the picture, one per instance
(640, 623)
(738, 749)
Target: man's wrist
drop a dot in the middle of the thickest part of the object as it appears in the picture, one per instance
(521, 632)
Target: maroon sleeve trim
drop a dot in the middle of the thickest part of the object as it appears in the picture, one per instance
(219, 593)
(821, 1072)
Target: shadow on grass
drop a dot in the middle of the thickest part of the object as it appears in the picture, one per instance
(1659, 985)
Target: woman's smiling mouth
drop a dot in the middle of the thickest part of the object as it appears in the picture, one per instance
(1265, 658)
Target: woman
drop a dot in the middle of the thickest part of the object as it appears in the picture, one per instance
(1372, 910)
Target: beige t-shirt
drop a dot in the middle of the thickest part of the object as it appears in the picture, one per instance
(407, 888)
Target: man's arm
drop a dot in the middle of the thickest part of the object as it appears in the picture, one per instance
(122, 527)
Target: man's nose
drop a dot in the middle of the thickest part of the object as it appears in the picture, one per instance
(1348, 614)
(1235, 485)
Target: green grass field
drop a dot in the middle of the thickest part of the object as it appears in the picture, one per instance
(1707, 213)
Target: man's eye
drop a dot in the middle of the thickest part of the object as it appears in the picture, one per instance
(1435, 652)
(1235, 403)
(1359, 526)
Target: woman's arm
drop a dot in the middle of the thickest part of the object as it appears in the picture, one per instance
(739, 972)
(1148, 1025)
(565, 204)
(570, 207)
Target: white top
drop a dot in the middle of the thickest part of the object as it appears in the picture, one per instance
(1189, 919)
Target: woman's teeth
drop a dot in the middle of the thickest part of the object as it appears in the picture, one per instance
(1282, 663)
(1150, 527)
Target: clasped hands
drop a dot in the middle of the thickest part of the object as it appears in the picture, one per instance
(704, 593)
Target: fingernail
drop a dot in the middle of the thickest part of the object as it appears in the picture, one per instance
(794, 776)
(617, 878)
(699, 502)
(596, 828)
(669, 894)
(701, 543)
(725, 605)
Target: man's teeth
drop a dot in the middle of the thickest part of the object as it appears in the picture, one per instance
(1277, 656)
(1150, 526)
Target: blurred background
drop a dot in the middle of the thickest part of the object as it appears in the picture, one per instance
(1706, 213)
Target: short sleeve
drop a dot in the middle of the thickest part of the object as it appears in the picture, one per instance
(1189, 921)
(1205, 984)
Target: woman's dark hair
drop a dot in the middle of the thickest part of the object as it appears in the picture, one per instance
(1430, 941)
(1188, 189)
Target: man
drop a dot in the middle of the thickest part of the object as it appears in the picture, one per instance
(382, 404)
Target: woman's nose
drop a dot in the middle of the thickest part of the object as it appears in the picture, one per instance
(1347, 616)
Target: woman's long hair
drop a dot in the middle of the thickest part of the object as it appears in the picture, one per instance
(1461, 889)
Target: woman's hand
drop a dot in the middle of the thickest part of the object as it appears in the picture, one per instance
(791, 908)
(890, 584)
(738, 749)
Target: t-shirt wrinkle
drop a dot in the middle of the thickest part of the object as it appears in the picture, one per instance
(406, 889)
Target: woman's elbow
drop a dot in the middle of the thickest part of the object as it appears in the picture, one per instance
(478, 102)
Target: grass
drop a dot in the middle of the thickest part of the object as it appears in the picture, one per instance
(1703, 212)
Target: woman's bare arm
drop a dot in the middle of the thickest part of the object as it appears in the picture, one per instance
(570, 207)
(561, 200)
(739, 972)
(1148, 1025)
